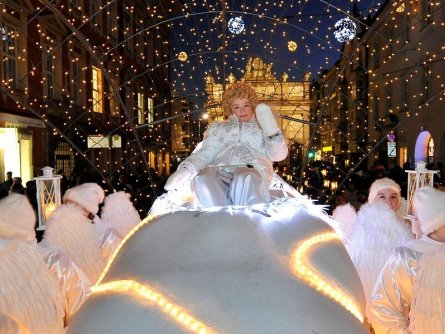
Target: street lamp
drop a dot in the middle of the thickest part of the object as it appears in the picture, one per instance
(48, 195)
(420, 177)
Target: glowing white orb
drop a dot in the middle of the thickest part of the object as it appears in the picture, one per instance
(345, 30)
(236, 25)
(292, 46)
(182, 56)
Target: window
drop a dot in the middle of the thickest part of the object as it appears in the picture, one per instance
(95, 13)
(404, 92)
(128, 29)
(426, 12)
(97, 86)
(431, 150)
(114, 99)
(75, 77)
(48, 72)
(376, 108)
(9, 55)
(376, 54)
(427, 82)
(388, 93)
(150, 111)
(141, 109)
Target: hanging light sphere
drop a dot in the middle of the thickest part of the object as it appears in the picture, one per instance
(236, 25)
(292, 46)
(182, 56)
(345, 30)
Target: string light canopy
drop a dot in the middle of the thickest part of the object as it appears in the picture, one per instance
(138, 74)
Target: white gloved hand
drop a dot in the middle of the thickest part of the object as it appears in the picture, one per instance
(266, 119)
(179, 177)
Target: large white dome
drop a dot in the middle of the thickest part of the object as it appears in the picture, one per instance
(231, 271)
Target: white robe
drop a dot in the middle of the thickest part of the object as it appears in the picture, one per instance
(234, 143)
(391, 297)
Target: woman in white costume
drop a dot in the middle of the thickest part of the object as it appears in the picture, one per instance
(393, 291)
(427, 313)
(379, 229)
(234, 163)
(72, 282)
(86, 198)
(29, 294)
(119, 213)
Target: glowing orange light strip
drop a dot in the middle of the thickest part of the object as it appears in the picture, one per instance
(315, 280)
(149, 294)
(116, 251)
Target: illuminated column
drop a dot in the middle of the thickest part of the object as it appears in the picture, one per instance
(48, 195)
(420, 177)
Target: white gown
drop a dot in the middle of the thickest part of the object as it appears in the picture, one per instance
(392, 294)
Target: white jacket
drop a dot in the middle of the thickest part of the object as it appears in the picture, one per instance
(238, 143)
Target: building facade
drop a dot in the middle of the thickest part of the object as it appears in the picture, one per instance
(80, 85)
(390, 78)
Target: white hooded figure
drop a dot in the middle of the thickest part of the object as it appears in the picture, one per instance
(29, 294)
(393, 291)
(70, 231)
(234, 162)
(377, 232)
(427, 313)
(119, 213)
(86, 198)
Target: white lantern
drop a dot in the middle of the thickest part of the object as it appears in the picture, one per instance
(48, 195)
(420, 177)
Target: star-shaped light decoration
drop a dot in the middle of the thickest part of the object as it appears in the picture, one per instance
(292, 46)
(236, 25)
(345, 30)
(182, 56)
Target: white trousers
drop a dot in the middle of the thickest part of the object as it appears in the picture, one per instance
(213, 190)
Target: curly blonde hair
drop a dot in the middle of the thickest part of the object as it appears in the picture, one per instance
(236, 91)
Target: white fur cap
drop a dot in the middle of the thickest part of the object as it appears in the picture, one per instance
(87, 195)
(17, 214)
(380, 184)
(429, 209)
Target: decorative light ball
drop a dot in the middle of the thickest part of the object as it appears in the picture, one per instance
(292, 46)
(345, 30)
(236, 25)
(182, 56)
(401, 8)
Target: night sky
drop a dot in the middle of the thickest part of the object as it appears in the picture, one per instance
(269, 26)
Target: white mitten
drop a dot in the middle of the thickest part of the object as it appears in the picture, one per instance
(266, 119)
(178, 178)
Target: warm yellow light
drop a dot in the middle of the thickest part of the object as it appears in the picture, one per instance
(182, 56)
(124, 240)
(147, 293)
(49, 208)
(313, 279)
(292, 46)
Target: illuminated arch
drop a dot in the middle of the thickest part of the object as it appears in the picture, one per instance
(421, 149)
